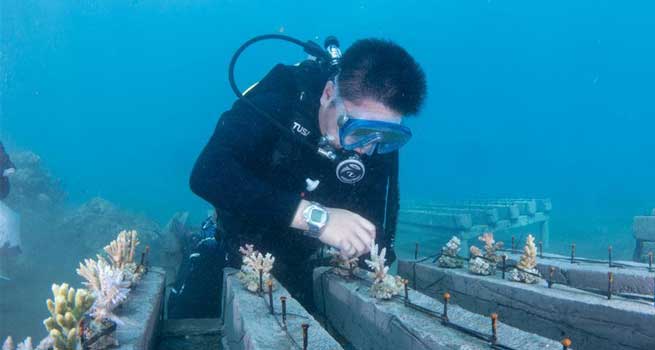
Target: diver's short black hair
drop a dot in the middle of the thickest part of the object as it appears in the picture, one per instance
(384, 71)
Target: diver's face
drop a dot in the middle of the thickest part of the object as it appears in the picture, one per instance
(367, 108)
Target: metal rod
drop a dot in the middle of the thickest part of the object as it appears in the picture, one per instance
(416, 251)
(405, 283)
(572, 253)
(513, 246)
(609, 255)
(551, 274)
(504, 264)
(650, 261)
(610, 281)
(541, 249)
(269, 283)
(446, 298)
(566, 343)
(305, 336)
(261, 282)
(283, 301)
(494, 328)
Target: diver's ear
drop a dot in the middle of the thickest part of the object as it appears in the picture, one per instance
(329, 93)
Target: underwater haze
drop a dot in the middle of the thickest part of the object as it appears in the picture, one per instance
(525, 99)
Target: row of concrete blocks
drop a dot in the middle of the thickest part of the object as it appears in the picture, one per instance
(364, 322)
(590, 320)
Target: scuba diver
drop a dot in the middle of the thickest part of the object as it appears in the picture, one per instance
(6, 168)
(269, 168)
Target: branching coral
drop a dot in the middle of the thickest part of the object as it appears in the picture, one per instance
(107, 285)
(345, 265)
(255, 265)
(449, 254)
(526, 268)
(121, 250)
(384, 285)
(66, 311)
(491, 247)
(26, 344)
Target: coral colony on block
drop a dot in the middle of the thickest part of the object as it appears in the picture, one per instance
(86, 316)
(449, 254)
(526, 271)
(384, 285)
(345, 266)
(121, 254)
(485, 264)
(45, 344)
(66, 311)
(255, 269)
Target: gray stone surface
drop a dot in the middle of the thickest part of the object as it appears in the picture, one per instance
(141, 312)
(633, 278)
(591, 321)
(370, 324)
(644, 228)
(248, 325)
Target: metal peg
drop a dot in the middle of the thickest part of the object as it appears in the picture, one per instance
(566, 343)
(610, 282)
(650, 261)
(572, 253)
(541, 249)
(504, 264)
(551, 275)
(446, 299)
(513, 245)
(416, 251)
(494, 328)
(269, 284)
(405, 283)
(305, 336)
(609, 255)
(283, 301)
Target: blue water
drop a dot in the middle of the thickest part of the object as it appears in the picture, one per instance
(549, 98)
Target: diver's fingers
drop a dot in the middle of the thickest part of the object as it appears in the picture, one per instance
(366, 239)
(368, 226)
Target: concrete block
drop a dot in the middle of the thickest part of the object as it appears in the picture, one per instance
(644, 228)
(432, 219)
(248, 324)
(141, 312)
(371, 324)
(633, 278)
(591, 321)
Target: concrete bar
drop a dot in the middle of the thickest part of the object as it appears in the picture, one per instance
(591, 321)
(370, 324)
(431, 219)
(142, 312)
(634, 278)
(644, 228)
(248, 324)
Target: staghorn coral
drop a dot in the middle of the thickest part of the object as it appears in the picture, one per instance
(45, 344)
(66, 311)
(384, 285)
(345, 265)
(526, 271)
(254, 264)
(449, 254)
(121, 250)
(107, 285)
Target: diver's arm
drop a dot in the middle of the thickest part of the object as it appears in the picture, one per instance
(220, 177)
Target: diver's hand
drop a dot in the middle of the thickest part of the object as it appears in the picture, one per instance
(347, 231)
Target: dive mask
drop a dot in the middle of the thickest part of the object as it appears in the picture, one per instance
(385, 137)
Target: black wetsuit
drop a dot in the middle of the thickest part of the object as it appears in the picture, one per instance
(254, 175)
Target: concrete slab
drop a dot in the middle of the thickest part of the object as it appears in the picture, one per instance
(371, 324)
(633, 278)
(591, 321)
(248, 325)
(142, 312)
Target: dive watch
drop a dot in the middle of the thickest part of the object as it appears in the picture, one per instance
(316, 217)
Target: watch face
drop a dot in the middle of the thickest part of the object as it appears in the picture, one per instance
(316, 216)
